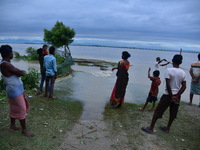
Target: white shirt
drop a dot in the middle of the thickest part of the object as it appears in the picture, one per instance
(176, 76)
(157, 66)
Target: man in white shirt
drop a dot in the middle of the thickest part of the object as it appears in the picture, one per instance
(175, 86)
(158, 61)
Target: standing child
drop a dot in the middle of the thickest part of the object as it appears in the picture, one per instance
(153, 93)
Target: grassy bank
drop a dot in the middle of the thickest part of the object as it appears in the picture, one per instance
(126, 123)
(48, 119)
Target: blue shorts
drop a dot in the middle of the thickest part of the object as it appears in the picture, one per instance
(151, 98)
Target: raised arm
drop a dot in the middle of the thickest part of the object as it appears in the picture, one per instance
(167, 62)
(149, 76)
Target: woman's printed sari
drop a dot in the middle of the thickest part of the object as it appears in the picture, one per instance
(118, 93)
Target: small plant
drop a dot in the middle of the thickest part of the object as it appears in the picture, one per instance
(31, 53)
(30, 79)
(16, 54)
(59, 58)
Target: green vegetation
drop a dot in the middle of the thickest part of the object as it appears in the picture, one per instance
(128, 121)
(31, 79)
(59, 36)
(63, 65)
(31, 54)
(48, 119)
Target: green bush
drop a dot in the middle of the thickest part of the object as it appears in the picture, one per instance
(30, 79)
(16, 54)
(31, 53)
(59, 58)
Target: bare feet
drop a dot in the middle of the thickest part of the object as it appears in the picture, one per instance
(151, 110)
(14, 128)
(52, 97)
(27, 133)
(147, 130)
(189, 103)
(141, 109)
(164, 129)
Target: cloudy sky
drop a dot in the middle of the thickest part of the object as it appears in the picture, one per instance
(138, 23)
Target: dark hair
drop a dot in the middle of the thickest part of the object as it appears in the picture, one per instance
(125, 55)
(157, 58)
(39, 51)
(52, 50)
(5, 50)
(177, 59)
(44, 46)
(156, 73)
(199, 56)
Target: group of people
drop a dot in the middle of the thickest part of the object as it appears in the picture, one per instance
(48, 69)
(14, 86)
(175, 79)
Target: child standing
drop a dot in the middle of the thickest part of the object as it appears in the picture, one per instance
(153, 93)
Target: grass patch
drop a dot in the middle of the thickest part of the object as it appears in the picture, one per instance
(127, 122)
(49, 119)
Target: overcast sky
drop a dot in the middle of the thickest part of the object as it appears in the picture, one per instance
(164, 23)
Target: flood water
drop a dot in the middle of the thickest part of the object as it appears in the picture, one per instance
(93, 86)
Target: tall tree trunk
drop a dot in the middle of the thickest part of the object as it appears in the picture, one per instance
(69, 50)
(65, 51)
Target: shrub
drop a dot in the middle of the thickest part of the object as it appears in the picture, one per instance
(30, 79)
(16, 54)
(31, 53)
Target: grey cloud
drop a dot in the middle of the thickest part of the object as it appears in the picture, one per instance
(127, 19)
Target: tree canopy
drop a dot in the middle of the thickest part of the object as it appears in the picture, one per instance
(59, 36)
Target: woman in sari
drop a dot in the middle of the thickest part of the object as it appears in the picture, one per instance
(118, 93)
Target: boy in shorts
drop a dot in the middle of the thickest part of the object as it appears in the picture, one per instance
(175, 86)
(153, 93)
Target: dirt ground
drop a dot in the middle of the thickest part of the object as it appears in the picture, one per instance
(117, 129)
